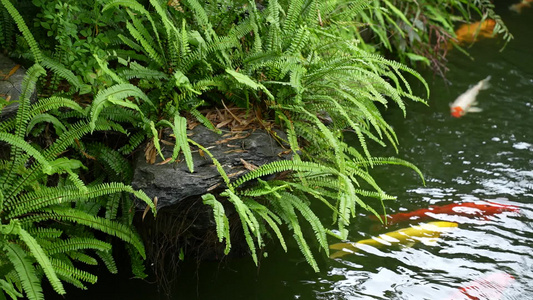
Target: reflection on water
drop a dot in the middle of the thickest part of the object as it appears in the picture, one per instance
(483, 156)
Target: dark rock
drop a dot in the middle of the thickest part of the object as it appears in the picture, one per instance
(10, 87)
(172, 182)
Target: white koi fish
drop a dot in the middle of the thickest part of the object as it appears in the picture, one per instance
(466, 101)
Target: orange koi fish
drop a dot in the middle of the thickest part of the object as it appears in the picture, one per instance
(466, 101)
(519, 6)
(406, 236)
(485, 208)
(490, 287)
(466, 33)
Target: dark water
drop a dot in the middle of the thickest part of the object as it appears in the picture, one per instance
(482, 156)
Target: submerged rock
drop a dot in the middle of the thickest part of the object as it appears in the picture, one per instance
(172, 182)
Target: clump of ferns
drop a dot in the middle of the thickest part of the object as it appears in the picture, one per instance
(48, 214)
(301, 73)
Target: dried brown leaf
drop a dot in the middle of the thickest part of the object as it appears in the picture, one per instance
(236, 174)
(236, 137)
(165, 161)
(248, 165)
(147, 209)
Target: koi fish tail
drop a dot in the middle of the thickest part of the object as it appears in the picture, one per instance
(485, 83)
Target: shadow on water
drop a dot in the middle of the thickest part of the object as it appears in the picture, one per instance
(482, 156)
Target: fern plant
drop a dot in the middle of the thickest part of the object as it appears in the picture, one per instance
(48, 214)
(283, 59)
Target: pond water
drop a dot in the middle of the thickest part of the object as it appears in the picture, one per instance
(486, 156)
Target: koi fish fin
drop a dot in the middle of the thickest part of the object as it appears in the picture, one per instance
(474, 109)
(485, 83)
(340, 253)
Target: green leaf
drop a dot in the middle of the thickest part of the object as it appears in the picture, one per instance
(247, 81)
(155, 139)
(9, 289)
(221, 221)
(180, 125)
(42, 259)
(25, 271)
(182, 81)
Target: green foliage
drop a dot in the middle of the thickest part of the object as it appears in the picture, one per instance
(48, 215)
(19, 21)
(72, 32)
(7, 29)
(317, 67)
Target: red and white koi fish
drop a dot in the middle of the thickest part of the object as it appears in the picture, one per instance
(520, 5)
(467, 100)
(485, 208)
(490, 287)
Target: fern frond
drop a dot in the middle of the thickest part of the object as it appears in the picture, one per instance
(58, 125)
(115, 164)
(23, 145)
(271, 218)
(284, 165)
(137, 265)
(8, 287)
(202, 119)
(25, 271)
(393, 161)
(108, 260)
(70, 272)
(221, 221)
(180, 131)
(28, 88)
(135, 140)
(72, 215)
(42, 258)
(138, 71)
(60, 70)
(116, 92)
(293, 13)
(286, 211)
(146, 43)
(34, 47)
(34, 201)
(45, 233)
(55, 102)
(217, 164)
(249, 222)
(74, 244)
(84, 258)
(107, 71)
(201, 17)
